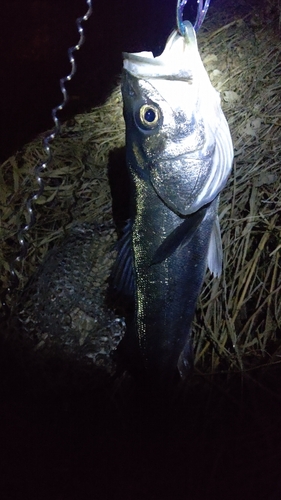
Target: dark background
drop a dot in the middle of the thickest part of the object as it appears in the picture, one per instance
(35, 36)
(62, 434)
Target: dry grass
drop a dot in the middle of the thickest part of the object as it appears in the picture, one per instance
(238, 322)
(240, 316)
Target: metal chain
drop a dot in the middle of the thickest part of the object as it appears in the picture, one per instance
(41, 167)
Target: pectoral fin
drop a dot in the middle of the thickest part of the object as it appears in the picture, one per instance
(215, 250)
(180, 237)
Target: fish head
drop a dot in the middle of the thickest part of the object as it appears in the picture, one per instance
(174, 124)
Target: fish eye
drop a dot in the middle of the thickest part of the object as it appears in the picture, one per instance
(149, 116)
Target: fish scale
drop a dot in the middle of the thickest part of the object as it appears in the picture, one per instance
(166, 293)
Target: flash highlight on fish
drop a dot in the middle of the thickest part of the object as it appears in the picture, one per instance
(179, 156)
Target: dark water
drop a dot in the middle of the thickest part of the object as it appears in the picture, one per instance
(63, 433)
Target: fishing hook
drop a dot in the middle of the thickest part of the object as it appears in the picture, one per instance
(31, 218)
(202, 8)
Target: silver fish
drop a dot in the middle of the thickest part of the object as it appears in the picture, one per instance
(179, 155)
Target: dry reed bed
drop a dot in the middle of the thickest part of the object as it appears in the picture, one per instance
(238, 321)
(240, 315)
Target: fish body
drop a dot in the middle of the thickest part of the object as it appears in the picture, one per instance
(179, 156)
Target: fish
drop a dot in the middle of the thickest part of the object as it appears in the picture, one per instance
(179, 155)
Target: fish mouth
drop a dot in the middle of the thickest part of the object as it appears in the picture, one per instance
(144, 67)
(175, 62)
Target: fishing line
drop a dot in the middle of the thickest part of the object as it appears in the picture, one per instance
(202, 7)
(42, 166)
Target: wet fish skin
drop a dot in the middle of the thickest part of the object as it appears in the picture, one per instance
(179, 160)
(166, 293)
(164, 279)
